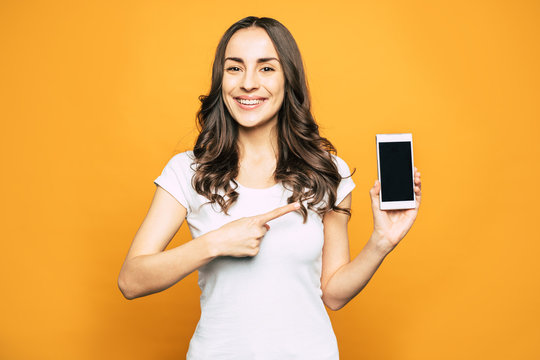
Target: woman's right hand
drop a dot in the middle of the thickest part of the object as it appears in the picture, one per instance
(242, 237)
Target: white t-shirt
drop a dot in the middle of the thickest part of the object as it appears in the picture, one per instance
(268, 306)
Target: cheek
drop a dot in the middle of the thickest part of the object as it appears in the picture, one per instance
(281, 92)
(225, 94)
(227, 84)
(278, 89)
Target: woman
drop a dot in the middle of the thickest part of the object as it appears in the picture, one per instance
(267, 204)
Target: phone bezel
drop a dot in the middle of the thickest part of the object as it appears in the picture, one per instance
(395, 205)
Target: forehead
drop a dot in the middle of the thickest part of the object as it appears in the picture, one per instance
(250, 44)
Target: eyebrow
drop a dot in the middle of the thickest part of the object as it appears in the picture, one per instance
(260, 60)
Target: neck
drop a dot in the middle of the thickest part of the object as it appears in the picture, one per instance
(258, 143)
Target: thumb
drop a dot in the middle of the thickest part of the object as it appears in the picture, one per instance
(374, 193)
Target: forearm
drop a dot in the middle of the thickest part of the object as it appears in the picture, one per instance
(351, 278)
(148, 274)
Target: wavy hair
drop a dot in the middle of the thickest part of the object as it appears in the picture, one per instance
(304, 157)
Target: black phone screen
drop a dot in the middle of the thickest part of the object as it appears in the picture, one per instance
(395, 161)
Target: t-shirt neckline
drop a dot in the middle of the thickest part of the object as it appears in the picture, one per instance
(245, 188)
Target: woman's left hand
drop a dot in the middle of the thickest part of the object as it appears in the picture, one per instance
(390, 226)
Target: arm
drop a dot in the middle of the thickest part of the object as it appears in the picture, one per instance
(352, 277)
(148, 269)
(343, 279)
(148, 274)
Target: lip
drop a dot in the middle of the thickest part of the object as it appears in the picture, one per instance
(249, 107)
(246, 97)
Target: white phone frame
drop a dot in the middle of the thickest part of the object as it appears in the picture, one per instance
(395, 205)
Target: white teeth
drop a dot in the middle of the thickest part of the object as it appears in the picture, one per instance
(249, 102)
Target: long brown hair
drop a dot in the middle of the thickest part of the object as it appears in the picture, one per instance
(304, 160)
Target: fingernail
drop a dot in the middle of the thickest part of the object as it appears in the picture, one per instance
(297, 205)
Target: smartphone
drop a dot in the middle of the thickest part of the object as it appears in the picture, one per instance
(396, 171)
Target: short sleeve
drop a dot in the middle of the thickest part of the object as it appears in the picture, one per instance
(176, 179)
(347, 184)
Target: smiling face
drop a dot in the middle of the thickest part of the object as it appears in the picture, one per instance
(253, 82)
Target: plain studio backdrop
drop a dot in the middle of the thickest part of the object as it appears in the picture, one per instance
(96, 97)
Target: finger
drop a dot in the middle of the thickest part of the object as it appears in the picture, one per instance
(417, 180)
(418, 195)
(266, 226)
(280, 211)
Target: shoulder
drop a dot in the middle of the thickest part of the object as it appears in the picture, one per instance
(342, 166)
(337, 159)
(184, 156)
(182, 160)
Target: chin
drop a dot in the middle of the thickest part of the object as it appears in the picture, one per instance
(250, 121)
(250, 124)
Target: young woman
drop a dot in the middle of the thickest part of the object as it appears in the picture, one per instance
(267, 203)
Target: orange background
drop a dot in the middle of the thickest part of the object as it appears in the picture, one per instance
(96, 97)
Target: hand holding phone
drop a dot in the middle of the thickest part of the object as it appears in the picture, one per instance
(393, 213)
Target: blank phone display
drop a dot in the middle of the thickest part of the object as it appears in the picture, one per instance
(396, 171)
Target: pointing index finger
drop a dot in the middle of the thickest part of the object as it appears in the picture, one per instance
(280, 211)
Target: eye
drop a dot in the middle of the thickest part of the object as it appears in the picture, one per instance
(234, 68)
(267, 68)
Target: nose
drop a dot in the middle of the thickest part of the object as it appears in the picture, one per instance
(250, 80)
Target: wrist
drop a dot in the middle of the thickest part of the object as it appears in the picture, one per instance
(380, 244)
(211, 241)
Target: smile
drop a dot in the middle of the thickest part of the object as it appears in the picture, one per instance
(249, 104)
